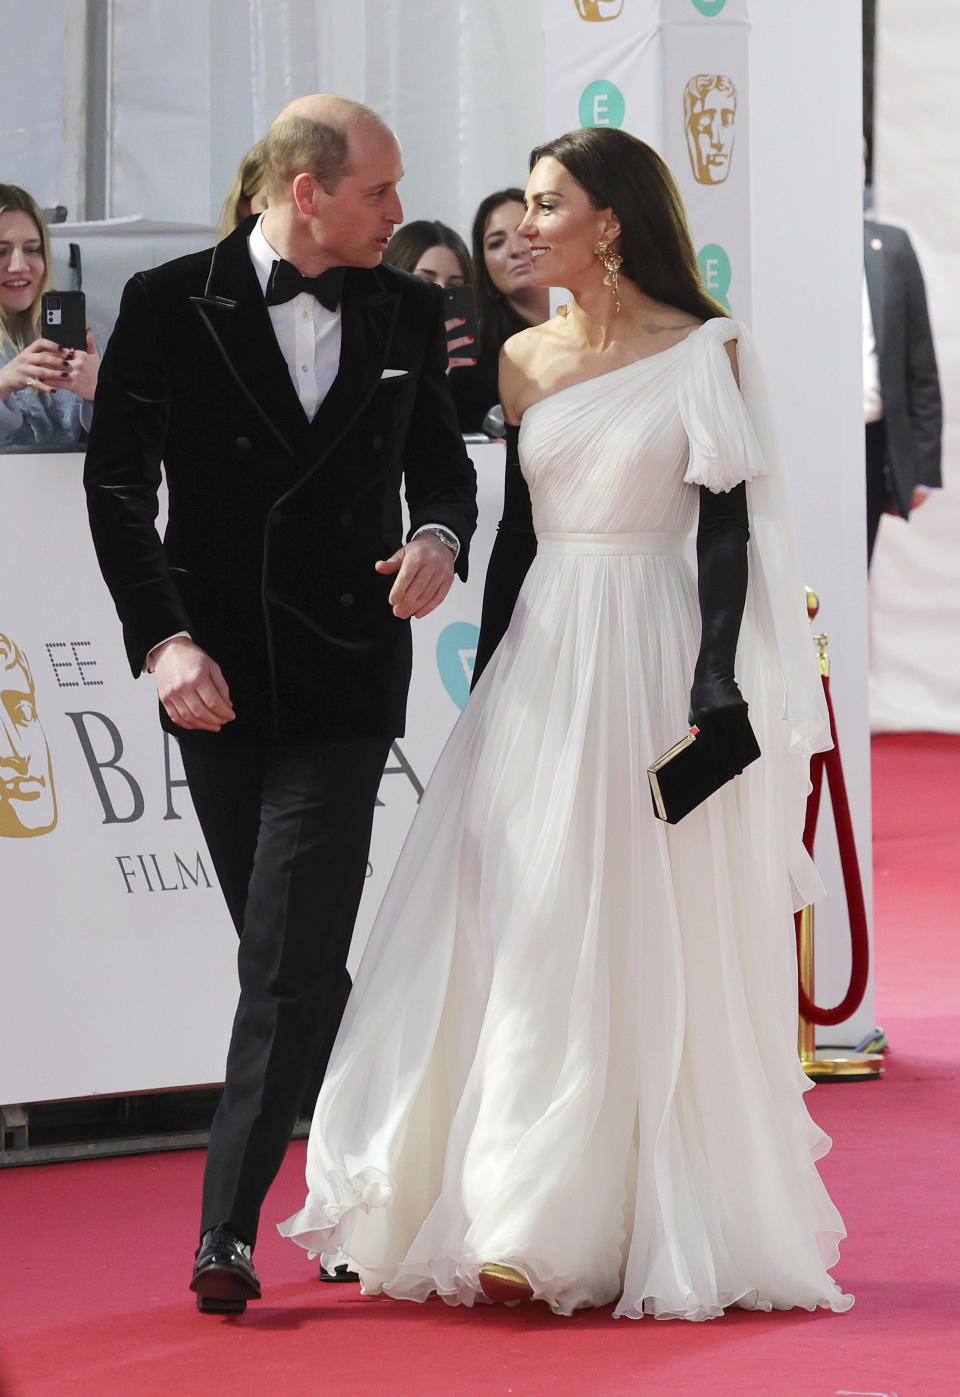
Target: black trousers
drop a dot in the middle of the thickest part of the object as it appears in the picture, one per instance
(878, 491)
(288, 828)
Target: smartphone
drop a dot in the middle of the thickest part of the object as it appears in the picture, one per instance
(460, 302)
(63, 316)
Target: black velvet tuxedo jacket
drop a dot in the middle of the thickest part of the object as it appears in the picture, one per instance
(274, 522)
(909, 386)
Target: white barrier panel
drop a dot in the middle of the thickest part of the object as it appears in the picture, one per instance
(118, 954)
(111, 251)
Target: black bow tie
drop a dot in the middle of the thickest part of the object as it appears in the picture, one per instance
(286, 282)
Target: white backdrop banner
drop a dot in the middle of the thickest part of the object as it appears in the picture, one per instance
(118, 953)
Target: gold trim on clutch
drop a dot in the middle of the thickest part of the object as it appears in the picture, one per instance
(667, 757)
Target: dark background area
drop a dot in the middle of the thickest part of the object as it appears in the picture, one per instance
(869, 30)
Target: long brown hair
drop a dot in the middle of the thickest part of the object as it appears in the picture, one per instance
(410, 242)
(618, 171)
(20, 328)
(498, 319)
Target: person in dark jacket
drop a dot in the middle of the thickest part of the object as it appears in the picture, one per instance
(289, 384)
(902, 409)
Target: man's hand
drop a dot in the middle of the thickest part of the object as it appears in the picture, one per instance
(920, 494)
(424, 571)
(191, 686)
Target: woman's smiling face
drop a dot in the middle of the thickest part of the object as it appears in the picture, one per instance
(561, 225)
(506, 254)
(21, 261)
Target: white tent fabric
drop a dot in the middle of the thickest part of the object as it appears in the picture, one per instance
(915, 582)
(214, 89)
(193, 83)
(34, 131)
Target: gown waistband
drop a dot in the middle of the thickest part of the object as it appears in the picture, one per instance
(611, 543)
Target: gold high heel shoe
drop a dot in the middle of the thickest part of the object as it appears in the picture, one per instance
(502, 1283)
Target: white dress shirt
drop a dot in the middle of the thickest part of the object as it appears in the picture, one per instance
(308, 334)
(872, 402)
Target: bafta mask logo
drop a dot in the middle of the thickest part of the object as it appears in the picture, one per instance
(28, 802)
(709, 115)
(599, 9)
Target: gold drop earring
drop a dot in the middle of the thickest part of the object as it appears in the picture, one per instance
(613, 262)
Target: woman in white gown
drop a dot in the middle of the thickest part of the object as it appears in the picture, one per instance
(568, 1068)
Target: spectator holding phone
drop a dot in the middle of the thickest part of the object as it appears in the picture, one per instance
(247, 194)
(46, 392)
(508, 300)
(429, 249)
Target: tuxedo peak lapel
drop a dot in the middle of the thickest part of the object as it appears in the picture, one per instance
(234, 313)
(367, 320)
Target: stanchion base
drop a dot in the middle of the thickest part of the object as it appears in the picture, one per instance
(829, 1065)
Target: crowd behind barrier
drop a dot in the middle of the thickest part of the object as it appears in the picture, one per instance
(99, 257)
(49, 360)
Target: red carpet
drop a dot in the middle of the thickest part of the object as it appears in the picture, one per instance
(96, 1255)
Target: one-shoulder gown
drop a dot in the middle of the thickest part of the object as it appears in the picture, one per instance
(571, 1045)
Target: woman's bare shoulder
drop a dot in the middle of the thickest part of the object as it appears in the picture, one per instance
(520, 358)
(523, 348)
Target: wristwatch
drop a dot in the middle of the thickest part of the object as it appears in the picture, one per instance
(444, 534)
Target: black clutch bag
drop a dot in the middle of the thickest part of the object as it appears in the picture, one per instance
(700, 763)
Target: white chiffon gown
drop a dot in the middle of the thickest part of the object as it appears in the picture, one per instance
(571, 1045)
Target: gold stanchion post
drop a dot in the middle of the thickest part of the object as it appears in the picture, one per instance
(824, 1064)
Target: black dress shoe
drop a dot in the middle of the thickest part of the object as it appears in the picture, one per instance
(223, 1275)
(340, 1273)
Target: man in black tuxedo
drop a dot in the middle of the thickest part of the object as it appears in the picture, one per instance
(289, 383)
(901, 389)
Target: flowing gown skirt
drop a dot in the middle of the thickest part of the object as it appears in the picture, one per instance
(571, 1046)
(571, 1043)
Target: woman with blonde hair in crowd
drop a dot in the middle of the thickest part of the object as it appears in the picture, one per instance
(247, 194)
(32, 369)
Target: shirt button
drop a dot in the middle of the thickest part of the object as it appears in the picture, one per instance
(303, 369)
(347, 599)
(304, 315)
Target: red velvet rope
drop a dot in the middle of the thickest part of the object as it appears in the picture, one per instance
(853, 888)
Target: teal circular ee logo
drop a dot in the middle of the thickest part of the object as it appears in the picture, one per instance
(456, 652)
(715, 273)
(709, 7)
(602, 104)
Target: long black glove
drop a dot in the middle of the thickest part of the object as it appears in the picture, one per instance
(513, 552)
(716, 705)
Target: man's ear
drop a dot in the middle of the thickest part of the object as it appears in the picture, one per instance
(306, 192)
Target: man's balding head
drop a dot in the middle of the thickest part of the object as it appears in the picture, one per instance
(312, 136)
